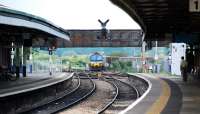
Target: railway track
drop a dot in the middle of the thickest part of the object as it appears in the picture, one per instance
(111, 96)
(105, 94)
(113, 100)
(85, 87)
(127, 94)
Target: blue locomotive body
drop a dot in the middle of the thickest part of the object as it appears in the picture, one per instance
(96, 62)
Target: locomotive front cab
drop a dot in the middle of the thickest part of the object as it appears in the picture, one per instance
(96, 62)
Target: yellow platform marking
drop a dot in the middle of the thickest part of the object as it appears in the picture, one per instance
(161, 102)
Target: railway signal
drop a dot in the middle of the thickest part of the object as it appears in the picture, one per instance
(104, 31)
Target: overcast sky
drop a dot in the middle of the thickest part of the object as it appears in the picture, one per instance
(75, 14)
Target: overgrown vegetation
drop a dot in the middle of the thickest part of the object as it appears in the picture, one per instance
(121, 66)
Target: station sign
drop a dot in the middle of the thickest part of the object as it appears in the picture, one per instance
(194, 5)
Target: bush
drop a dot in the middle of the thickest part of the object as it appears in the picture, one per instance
(122, 66)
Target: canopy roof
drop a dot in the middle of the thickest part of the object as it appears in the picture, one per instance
(14, 18)
(158, 17)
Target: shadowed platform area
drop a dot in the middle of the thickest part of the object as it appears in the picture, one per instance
(31, 82)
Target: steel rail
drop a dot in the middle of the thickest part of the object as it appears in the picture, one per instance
(117, 91)
(112, 101)
(81, 98)
(65, 93)
(134, 88)
(59, 99)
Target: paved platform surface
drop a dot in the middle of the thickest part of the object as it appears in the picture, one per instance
(169, 95)
(31, 82)
(146, 102)
(190, 94)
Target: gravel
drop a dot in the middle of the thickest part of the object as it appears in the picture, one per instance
(104, 93)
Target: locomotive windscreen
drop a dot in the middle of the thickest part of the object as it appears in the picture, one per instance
(96, 57)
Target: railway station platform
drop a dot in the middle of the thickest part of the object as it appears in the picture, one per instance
(31, 82)
(32, 91)
(167, 95)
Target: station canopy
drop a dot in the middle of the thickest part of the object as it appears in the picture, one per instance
(159, 18)
(29, 30)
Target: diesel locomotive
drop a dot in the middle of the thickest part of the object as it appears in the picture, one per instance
(96, 62)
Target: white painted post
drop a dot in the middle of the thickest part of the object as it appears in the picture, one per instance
(156, 52)
(12, 54)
